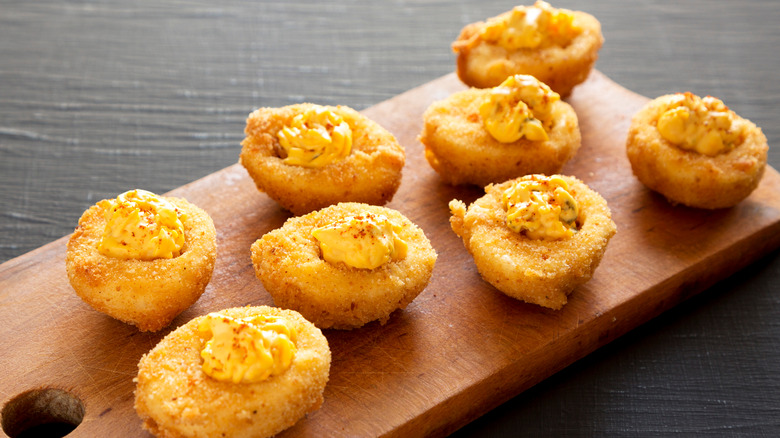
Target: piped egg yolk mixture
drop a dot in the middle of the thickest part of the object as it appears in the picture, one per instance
(315, 138)
(541, 208)
(520, 107)
(246, 350)
(141, 225)
(365, 241)
(704, 125)
(531, 27)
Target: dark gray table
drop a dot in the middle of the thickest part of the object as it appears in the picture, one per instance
(99, 97)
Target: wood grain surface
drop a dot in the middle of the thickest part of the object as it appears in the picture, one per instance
(461, 347)
(97, 97)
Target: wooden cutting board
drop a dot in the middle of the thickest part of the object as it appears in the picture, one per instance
(461, 348)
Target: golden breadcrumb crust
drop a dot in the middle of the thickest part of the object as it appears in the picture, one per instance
(687, 177)
(462, 151)
(175, 398)
(288, 261)
(370, 174)
(535, 271)
(145, 293)
(481, 64)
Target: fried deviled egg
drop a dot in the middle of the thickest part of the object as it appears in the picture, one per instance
(240, 372)
(696, 151)
(483, 136)
(306, 157)
(345, 265)
(557, 46)
(535, 238)
(142, 258)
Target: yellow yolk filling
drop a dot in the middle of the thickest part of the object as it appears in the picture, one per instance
(316, 138)
(520, 107)
(704, 125)
(541, 208)
(531, 27)
(246, 350)
(141, 225)
(366, 241)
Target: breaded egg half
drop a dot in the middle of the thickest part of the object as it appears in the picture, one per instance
(686, 176)
(542, 272)
(484, 60)
(462, 151)
(370, 173)
(289, 262)
(144, 293)
(175, 398)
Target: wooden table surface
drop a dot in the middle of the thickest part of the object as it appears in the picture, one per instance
(96, 98)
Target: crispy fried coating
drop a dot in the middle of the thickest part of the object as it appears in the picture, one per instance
(289, 263)
(175, 398)
(690, 178)
(542, 272)
(145, 293)
(461, 150)
(483, 64)
(370, 174)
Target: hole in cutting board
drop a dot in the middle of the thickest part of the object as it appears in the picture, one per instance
(43, 412)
